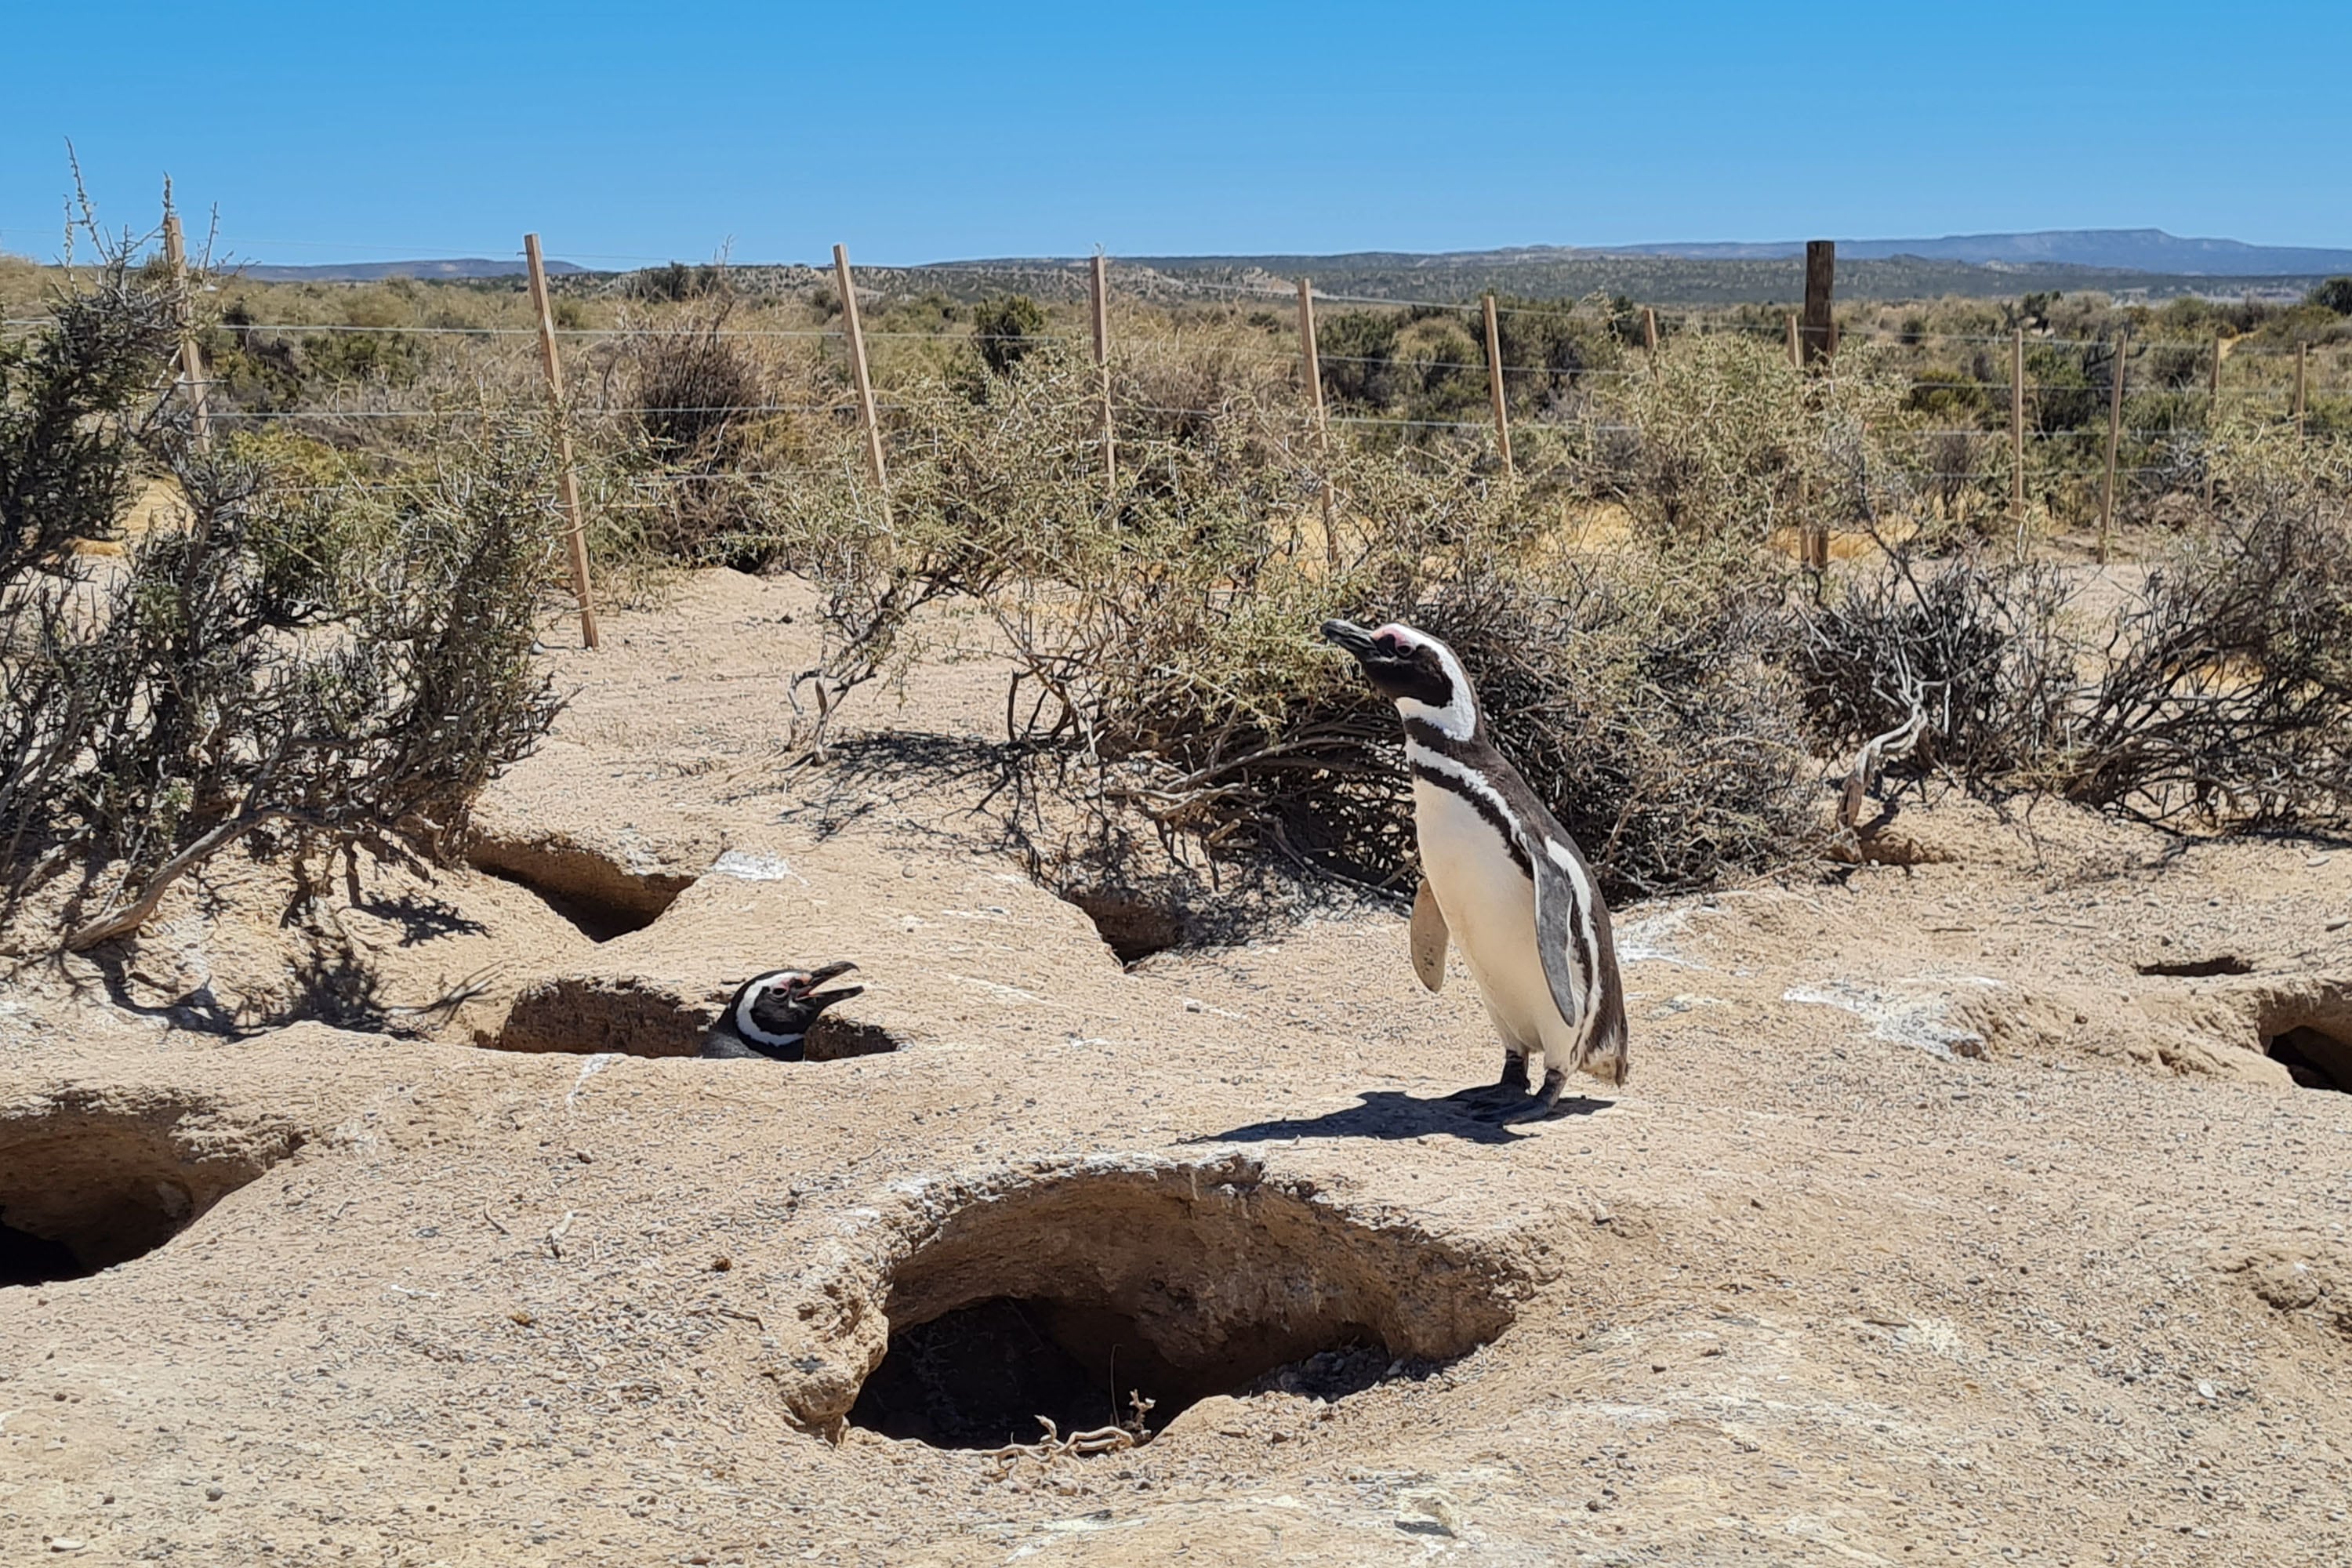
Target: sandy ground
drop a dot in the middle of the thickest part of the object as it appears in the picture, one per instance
(1953, 1212)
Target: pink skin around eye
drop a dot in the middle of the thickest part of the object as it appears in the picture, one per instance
(1397, 637)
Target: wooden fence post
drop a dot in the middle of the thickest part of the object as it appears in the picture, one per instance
(866, 413)
(1819, 337)
(2212, 412)
(1814, 347)
(1650, 335)
(575, 539)
(2017, 434)
(2115, 436)
(2302, 367)
(1796, 356)
(1102, 368)
(191, 356)
(1495, 388)
(1311, 359)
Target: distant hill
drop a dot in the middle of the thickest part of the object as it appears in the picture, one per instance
(456, 270)
(1544, 272)
(2121, 249)
(2142, 263)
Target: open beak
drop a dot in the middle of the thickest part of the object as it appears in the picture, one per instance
(815, 998)
(1349, 636)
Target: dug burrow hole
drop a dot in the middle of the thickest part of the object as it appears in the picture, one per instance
(2305, 1023)
(637, 1017)
(90, 1179)
(2314, 1058)
(2200, 968)
(1131, 924)
(1117, 1293)
(601, 898)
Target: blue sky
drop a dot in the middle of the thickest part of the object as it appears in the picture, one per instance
(919, 131)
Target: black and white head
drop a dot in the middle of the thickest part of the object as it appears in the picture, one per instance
(778, 1009)
(1415, 671)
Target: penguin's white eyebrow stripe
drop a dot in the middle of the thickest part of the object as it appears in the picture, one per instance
(751, 1031)
(1459, 718)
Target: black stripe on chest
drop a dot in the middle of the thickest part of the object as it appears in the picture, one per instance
(1489, 812)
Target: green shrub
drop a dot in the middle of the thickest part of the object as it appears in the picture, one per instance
(1006, 328)
(316, 671)
(76, 395)
(326, 669)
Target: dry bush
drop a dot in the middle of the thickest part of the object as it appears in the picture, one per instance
(2222, 694)
(699, 407)
(1729, 442)
(308, 672)
(75, 398)
(1981, 646)
(1165, 635)
(2227, 688)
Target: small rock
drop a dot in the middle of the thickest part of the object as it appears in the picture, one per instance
(212, 1494)
(2339, 923)
(1193, 1006)
(721, 1264)
(1436, 1506)
(66, 1543)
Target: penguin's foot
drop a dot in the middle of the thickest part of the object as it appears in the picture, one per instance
(1542, 1104)
(1507, 1093)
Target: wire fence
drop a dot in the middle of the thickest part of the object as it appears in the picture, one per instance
(2187, 385)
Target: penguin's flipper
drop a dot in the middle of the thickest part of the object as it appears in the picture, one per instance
(1564, 927)
(1428, 937)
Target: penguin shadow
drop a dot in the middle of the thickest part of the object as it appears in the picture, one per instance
(1476, 1115)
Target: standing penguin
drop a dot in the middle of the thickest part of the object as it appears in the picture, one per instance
(771, 1015)
(1498, 872)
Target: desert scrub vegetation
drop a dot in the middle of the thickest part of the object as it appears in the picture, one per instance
(2219, 693)
(1677, 689)
(305, 669)
(1160, 633)
(1629, 601)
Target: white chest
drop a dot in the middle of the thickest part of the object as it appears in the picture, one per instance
(1489, 905)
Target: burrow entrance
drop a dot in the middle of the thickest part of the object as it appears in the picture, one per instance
(2313, 1057)
(1131, 924)
(91, 1179)
(639, 1016)
(2305, 1025)
(2200, 968)
(599, 897)
(1073, 1295)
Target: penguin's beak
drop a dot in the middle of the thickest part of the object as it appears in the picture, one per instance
(1348, 635)
(815, 1000)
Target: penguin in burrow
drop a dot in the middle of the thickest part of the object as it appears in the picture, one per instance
(771, 1014)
